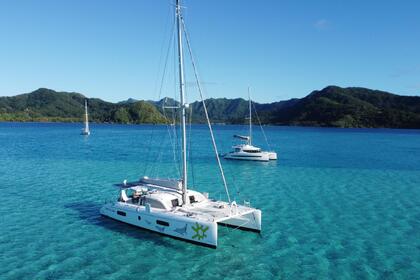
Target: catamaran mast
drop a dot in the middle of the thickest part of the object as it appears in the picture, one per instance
(86, 117)
(184, 105)
(250, 118)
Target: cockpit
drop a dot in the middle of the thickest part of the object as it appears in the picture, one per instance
(142, 196)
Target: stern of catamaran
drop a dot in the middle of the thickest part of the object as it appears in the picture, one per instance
(232, 215)
(272, 155)
(250, 221)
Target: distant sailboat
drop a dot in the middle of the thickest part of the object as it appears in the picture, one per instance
(85, 130)
(247, 151)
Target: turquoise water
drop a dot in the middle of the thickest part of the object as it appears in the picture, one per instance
(338, 204)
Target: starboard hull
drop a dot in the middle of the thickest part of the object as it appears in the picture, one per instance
(242, 156)
(272, 155)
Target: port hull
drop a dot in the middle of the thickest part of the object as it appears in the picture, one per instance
(261, 157)
(197, 232)
(174, 237)
(184, 228)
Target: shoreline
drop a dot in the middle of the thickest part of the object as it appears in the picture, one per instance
(213, 124)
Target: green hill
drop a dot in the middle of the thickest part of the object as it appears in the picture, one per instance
(221, 110)
(235, 111)
(351, 107)
(332, 106)
(48, 105)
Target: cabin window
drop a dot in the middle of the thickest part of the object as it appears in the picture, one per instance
(252, 151)
(155, 203)
(192, 199)
(162, 223)
(139, 218)
(121, 213)
(175, 202)
(237, 150)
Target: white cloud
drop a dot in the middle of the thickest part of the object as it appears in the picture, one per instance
(321, 24)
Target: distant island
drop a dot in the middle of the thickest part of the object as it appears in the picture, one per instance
(332, 106)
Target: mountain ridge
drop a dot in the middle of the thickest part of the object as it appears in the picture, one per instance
(331, 106)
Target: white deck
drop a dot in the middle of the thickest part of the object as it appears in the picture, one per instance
(208, 211)
(214, 211)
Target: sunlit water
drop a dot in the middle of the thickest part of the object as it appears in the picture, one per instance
(338, 204)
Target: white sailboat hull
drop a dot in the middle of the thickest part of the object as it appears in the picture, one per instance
(247, 156)
(186, 228)
(84, 132)
(272, 155)
(250, 221)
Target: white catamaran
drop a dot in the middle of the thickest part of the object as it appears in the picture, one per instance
(85, 130)
(246, 151)
(168, 206)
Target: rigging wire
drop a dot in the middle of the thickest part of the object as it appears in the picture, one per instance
(205, 110)
(172, 139)
(190, 154)
(235, 185)
(146, 167)
(175, 116)
(262, 130)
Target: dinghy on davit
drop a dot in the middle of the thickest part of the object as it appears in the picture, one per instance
(168, 206)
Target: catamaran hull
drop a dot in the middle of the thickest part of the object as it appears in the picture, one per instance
(183, 228)
(250, 221)
(272, 155)
(265, 156)
(259, 157)
(198, 232)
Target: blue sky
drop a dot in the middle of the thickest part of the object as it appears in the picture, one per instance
(113, 49)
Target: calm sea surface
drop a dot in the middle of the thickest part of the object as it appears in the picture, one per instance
(338, 204)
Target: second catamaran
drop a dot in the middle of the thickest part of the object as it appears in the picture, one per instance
(246, 151)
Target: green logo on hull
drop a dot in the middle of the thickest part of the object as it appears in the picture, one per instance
(200, 231)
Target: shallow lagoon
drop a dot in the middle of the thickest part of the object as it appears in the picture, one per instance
(338, 204)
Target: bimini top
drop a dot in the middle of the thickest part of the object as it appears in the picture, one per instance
(166, 183)
(241, 137)
(173, 184)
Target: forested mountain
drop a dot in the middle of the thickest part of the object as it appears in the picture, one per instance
(351, 107)
(331, 106)
(48, 105)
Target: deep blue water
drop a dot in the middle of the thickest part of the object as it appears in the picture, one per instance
(338, 204)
